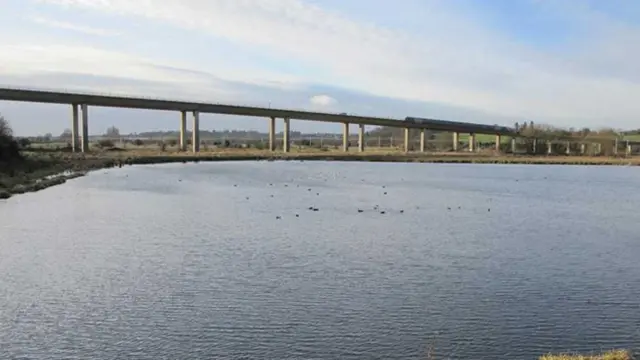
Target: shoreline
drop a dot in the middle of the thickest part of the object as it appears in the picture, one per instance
(43, 170)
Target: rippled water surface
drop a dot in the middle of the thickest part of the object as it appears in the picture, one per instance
(226, 260)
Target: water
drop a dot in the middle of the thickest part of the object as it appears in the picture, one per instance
(189, 261)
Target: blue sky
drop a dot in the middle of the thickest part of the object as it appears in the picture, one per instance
(570, 63)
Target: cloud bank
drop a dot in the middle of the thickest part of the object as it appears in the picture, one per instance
(445, 54)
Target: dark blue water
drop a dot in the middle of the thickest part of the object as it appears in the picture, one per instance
(190, 261)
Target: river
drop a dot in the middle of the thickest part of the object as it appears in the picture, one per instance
(227, 261)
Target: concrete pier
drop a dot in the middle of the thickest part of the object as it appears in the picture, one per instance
(361, 137)
(549, 148)
(422, 140)
(615, 147)
(456, 140)
(513, 145)
(472, 142)
(183, 131)
(75, 139)
(406, 140)
(583, 148)
(272, 134)
(568, 148)
(285, 135)
(84, 145)
(535, 146)
(628, 148)
(345, 136)
(498, 141)
(195, 132)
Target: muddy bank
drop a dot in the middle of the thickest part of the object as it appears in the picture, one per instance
(35, 173)
(38, 184)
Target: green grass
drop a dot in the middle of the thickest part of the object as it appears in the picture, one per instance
(611, 355)
(632, 137)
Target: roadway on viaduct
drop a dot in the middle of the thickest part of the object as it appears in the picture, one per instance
(56, 97)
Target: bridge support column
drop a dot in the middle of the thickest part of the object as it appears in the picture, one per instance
(406, 140)
(568, 148)
(628, 148)
(195, 132)
(513, 145)
(272, 134)
(361, 137)
(84, 145)
(345, 137)
(456, 139)
(583, 148)
(285, 135)
(549, 148)
(615, 147)
(472, 142)
(183, 131)
(422, 140)
(498, 141)
(75, 139)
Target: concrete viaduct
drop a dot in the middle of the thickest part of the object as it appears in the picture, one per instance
(80, 118)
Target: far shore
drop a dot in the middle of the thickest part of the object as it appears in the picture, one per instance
(43, 169)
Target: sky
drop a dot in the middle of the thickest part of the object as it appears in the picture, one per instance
(568, 63)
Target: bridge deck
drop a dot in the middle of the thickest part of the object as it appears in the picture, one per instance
(54, 97)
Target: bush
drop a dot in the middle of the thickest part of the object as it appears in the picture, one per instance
(172, 142)
(9, 147)
(105, 143)
(24, 143)
(138, 142)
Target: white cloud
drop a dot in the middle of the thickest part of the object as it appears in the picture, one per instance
(74, 27)
(453, 60)
(322, 101)
(20, 62)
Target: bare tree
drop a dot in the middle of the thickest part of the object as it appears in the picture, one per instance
(112, 132)
(66, 134)
(9, 148)
(5, 128)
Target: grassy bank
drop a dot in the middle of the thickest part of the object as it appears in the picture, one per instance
(611, 355)
(41, 169)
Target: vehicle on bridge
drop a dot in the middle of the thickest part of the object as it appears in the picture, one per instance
(489, 129)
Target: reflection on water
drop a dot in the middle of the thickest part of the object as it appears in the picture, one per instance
(226, 260)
